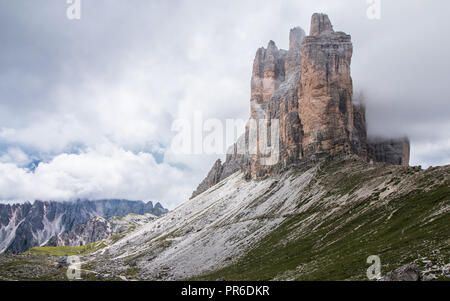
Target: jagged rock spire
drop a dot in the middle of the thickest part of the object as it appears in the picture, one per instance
(293, 60)
(326, 90)
(296, 37)
(320, 23)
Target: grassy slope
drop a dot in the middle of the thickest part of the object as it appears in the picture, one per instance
(29, 268)
(400, 227)
(67, 251)
(83, 250)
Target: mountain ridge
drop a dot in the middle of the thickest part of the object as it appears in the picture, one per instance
(98, 229)
(23, 226)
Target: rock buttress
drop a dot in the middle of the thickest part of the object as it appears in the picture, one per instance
(326, 90)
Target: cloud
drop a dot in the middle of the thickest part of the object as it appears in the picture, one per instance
(102, 173)
(16, 156)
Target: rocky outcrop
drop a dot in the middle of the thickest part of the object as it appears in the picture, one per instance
(280, 104)
(392, 151)
(99, 229)
(325, 94)
(274, 84)
(234, 163)
(24, 226)
(212, 179)
(94, 230)
(268, 74)
(320, 24)
(308, 91)
(408, 272)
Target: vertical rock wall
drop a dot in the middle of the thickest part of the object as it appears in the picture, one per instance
(325, 94)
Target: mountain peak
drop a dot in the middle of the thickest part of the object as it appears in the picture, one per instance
(320, 24)
(309, 90)
(296, 37)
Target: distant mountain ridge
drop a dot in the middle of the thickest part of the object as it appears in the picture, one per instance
(24, 226)
(99, 228)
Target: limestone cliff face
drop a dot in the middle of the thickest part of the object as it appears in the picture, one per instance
(320, 24)
(279, 104)
(325, 94)
(308, 89)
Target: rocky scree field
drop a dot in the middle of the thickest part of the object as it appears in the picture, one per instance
(316, 223)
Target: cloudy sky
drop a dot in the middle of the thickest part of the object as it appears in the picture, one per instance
(87, 106)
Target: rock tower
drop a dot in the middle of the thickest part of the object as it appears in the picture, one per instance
(309, 90)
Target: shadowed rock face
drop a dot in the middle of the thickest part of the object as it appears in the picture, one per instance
(268, 74)
(393, 151)
(309, 90)
(274, 86)
(280, 104)
(359, 143)
(213, 178)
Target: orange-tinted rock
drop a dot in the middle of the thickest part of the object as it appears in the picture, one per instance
(320, 24)
(325, 94)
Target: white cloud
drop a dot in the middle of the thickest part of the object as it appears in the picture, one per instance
(429, 153)
(104, 172)
(16, 156)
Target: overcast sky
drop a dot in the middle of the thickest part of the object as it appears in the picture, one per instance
(91, 102)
